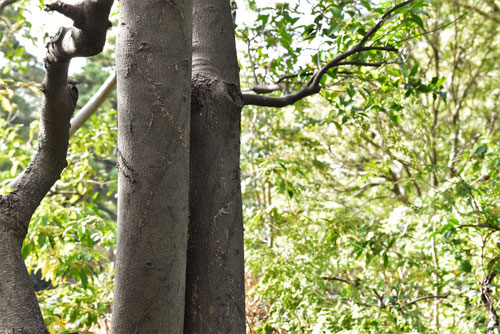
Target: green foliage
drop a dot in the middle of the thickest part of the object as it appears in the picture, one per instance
(72, 235)
(375, 209)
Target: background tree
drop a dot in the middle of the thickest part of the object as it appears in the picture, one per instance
(377, 210)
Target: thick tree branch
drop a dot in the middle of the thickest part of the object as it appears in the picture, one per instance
(83, 115)
(264, 89)
(5, 3)
(313, 85)
(88, 35)
(59, 100)
(278, 102)
(74, 12)
(311, 88)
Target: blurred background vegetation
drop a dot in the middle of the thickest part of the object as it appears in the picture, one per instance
(370, 208)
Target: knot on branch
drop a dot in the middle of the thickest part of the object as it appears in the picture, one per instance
(73, 90)
(55, 52)
(87, 36)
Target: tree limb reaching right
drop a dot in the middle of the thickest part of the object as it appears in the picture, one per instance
(313, 85)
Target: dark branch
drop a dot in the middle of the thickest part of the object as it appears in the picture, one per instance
(486, 297)
(382, 20)
(5, 3)
(74, 12)
(360, 63)
(278, 102)
(426, 298)
(482, 225)
(291, 76)
(313, 85)
(88, 35)
(315, 80)
(264, 89)
(58, 103)
(340, 279)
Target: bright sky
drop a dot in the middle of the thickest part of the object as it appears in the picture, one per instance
(43, 22)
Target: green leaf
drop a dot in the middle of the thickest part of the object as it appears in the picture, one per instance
(465, 266)
(84, 279)
(42, 237)
(395, 119)
(440, 82)
(6, 104)
(445, 228)
(424, 89)
(481, 149)
(418, 20)
(423, 12)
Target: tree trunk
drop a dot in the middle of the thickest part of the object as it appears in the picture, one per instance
(19, 311)
(153, 72)
(215, 294)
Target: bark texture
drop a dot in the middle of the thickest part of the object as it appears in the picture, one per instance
(19, 310)
(153, 84)
(215, 298)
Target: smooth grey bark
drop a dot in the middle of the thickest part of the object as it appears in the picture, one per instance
(19, 310)
(215, 292)
(153, 67)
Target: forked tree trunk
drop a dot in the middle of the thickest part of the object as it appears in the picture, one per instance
(154, 75)
(215, 294)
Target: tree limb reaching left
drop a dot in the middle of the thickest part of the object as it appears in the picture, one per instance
(6, 3)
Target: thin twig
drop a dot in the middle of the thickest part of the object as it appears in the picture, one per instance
(426, 298)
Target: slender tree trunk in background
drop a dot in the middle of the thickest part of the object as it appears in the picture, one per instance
(215, 293)
(154, 76)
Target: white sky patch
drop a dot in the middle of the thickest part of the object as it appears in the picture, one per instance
(48, 23)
